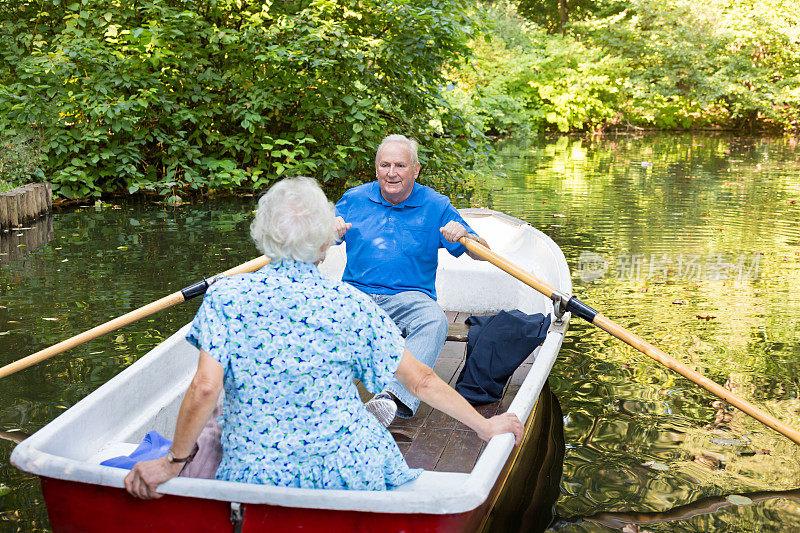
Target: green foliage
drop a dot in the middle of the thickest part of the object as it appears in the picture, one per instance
(171, 96)
(691, 64)
(523, 79)
(545, 12)
(21, 159)
(668, 64)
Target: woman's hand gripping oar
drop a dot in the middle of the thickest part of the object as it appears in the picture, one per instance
(168, 301)
(576, 307)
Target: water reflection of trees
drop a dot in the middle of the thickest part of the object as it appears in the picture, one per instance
(696, 515)
(105, 261)
(639, 436)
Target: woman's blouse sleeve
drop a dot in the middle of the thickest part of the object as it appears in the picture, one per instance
(378, 347)
(209, 330)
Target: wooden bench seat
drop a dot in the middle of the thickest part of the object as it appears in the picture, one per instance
(431, 439)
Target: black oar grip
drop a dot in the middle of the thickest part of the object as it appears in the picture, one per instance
(577, 307)
(198, 289)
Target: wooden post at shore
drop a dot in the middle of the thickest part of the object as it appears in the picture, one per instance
(13, 206)
(29, 202)
(3, 210)
(24, 204)
(9, 202)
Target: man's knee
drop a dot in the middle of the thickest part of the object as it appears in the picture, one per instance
(435, 321)
(442, 324)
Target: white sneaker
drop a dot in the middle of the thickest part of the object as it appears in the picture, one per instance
(382, 407)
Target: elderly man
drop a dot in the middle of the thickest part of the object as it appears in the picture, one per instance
(393, 229)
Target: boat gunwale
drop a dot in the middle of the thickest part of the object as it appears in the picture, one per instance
(432, 493)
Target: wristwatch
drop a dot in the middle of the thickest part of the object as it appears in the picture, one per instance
(172, 459)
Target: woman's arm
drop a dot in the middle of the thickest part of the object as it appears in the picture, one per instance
(197, 405)
(423, 383)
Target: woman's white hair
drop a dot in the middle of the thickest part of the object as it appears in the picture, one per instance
(410, 143)
(294, 220)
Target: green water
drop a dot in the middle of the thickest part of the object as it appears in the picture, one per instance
(692, 242)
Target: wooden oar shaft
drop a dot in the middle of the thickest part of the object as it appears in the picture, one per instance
(93, 333)
(250, 266)
(635, 341)
(654, 353)
(120, 321)
(507, 266)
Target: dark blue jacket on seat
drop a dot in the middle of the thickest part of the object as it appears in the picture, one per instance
(496, 346)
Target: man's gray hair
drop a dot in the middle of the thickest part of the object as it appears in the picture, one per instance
(411, 143)
(294, 220)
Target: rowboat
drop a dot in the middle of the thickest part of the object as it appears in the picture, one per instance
(457, 491)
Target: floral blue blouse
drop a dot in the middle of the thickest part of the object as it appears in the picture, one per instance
(291, 341)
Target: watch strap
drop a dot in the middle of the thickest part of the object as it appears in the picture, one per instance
(172, 459)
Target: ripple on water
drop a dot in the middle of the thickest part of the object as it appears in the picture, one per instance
(699, 220)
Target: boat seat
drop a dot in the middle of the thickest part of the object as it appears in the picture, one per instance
(458, 332)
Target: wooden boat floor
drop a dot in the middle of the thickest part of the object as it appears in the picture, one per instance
(431, 439)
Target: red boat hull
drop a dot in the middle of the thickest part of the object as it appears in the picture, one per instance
(534, 466)
(84, 508)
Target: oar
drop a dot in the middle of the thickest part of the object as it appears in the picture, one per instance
(167, 301)
(576, 307)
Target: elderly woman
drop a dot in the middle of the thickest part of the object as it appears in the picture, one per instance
(286, 343)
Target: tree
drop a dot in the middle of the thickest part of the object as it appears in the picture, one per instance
(553, 15)
(169, 95)
(724, 62)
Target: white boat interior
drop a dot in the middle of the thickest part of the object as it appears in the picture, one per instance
(113, 419)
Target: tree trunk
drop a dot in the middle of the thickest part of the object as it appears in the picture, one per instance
(562, 16)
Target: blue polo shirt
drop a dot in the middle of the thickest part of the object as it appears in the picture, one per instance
(395, 248)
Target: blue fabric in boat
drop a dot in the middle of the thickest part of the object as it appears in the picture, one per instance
(153, 446)
(496, 346)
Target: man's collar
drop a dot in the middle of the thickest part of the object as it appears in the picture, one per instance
(414, 199)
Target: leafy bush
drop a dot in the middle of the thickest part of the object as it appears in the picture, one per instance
(168, 95)
(523, 79)
(670, 64)
(691, 64)
(546, 14)
(21, 159)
